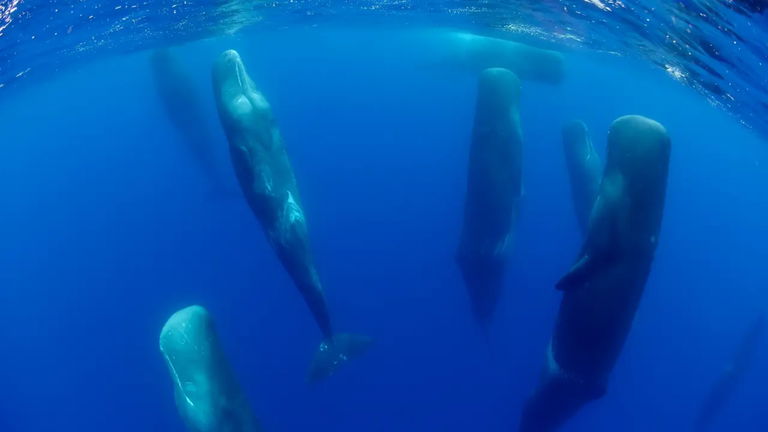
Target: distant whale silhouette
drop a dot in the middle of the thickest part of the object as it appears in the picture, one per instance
(208, 395)
(267, 181)
(584, 170)
(493, 190)
(733, 374)
(182, 104)
(476, 53)
(602, 290)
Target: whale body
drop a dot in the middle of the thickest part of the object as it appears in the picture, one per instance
(269, 186)
(603, 289)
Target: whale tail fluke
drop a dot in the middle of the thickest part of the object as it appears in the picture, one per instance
(336, 351)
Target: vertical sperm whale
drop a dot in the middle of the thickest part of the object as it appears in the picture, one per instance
(182, 103)
(493, 192)
(269, 186)
(603, 289)
(584, 170)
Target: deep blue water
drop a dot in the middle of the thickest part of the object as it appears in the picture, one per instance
(109, 227)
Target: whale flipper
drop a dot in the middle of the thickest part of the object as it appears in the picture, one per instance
(605, 226)
(579, 274)
(335, 352)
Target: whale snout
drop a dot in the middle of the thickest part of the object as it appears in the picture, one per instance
(229, 62)
(229, 76)
(498, 85)
(183, 333)
(574, 131)
(191, 316)
(636, 132)
(232, 64)
(238, 100)
(230, 55)
(637, 142)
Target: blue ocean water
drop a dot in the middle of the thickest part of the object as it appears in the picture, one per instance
(109, 226)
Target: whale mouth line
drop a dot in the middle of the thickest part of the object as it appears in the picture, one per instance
(237, 68)
(183, 338)
(240, 74)
(177, 380)
(230, 75)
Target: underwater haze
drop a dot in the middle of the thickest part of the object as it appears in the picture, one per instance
(112, 218)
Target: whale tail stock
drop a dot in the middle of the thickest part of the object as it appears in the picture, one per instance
(335, 351)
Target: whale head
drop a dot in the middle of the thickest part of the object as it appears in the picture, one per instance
(575, 135)
(207, 396)
(186, 343)
(240, 104)
(639, 148)
(498, 91)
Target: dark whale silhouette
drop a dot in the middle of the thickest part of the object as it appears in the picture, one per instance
(477, 53)
(584, 170)
(182, 103)
(493, 190)
(602, 290)
(733, 374)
